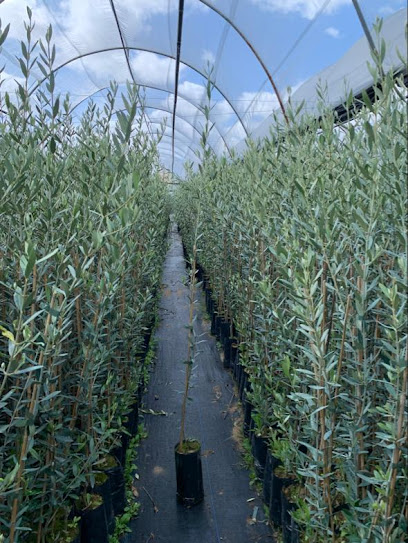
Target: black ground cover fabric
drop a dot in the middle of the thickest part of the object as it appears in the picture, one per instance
(213, 417)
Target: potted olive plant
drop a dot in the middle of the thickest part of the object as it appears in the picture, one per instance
(188, 450)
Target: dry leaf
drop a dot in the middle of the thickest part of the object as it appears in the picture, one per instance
(206, 453)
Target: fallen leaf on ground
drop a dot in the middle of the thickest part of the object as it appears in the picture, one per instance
(152, 412)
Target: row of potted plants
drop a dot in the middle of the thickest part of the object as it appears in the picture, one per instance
(83, 228)
(303, 250)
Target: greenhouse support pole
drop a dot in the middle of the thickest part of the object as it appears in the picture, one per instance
(367, 32)
(176, 81)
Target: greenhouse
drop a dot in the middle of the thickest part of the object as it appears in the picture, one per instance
(203, 271)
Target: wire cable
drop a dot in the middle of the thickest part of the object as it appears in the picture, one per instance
(127, 56)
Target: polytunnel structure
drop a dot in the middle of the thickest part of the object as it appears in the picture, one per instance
(203, 271)
(252, 57)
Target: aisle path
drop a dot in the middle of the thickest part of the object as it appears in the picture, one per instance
(225, 515)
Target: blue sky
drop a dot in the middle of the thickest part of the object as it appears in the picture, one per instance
(272, 26)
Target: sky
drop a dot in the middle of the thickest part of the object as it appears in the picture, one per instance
(295, 39)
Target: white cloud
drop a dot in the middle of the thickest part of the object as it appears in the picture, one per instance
(155, 70)
(236, 134)
(306, 8)
(386, 10)
(260, 104)
(15, 13)
(194, 91)
(9, 82)
(333, 32)
(208, 57)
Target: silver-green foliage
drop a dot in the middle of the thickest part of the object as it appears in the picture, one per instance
(83, 224)
(304, 243)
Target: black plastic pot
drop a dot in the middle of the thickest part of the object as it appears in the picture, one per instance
(211, 306)
(189, 474)
(275, 506)
(238, 369)
(105, 490)
(259, 448)
(226, 343)
(94, 526)
(270, 464)
(218, 322)
(290, 529)
(208, 300)
(146, 338)
(224, 330)
(248, 422)
(243, 384)
(118, 489)
(234, 354)
(213, 321)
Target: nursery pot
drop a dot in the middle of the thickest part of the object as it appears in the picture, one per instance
(226, 343)
(213, 320)
(234, 354)
(247, 406)
(117, 481)
(237, 368)
(243, 384)
(279, 481)
(271, 462)
(218, 321)
(259, 447)
(117, 484)
(290, 530)
(105, 490)
(189, 475)
(94, 526)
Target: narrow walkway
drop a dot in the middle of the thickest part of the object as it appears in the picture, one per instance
(225, 515)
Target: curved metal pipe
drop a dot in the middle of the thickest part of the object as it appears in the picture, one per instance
(253, 50)
(161, 108)
(110, 49)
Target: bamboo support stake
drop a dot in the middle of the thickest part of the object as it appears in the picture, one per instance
(24, 445)
(190, 341)
(401, 439)
(359, 401)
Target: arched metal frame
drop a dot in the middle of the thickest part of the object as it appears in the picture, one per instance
(168, 136)
(177, 153)
(253, 50)
(160, 108)
(190, 124)
(155, 108)
(153, 51)
(177, 58)
(176, 147)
